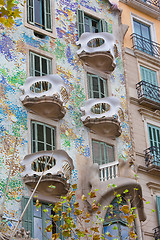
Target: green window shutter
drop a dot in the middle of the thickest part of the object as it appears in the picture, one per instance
(48, 15)
(97, 86)
(80, 22)
(154, 135)
(103, 26)
(158, 207)
(30, 11)
(148, 75)
(27, 220)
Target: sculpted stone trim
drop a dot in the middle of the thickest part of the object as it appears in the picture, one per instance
(57, 175)
(45, 95)
(101, 57)
(103, 121)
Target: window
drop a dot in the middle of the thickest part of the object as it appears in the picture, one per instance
(102, 152)
(154, 140)
(39, 13)
(148, 75)
(158, 207)
(90, 24)
(36, 220)
(115, 222)
(143, 37)
(39, 65)
(42, 137)
(97, 86)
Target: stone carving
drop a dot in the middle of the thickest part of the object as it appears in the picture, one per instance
(101, 115)
(97, 50)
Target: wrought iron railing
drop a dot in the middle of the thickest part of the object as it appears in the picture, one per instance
(145, 45)
(108, 171)
(152, 156)
(148, 90)
(156, 233)
(155, 3)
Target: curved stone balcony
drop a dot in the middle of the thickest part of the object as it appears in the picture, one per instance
(103, 116)
(45, 96)
(97, 50)
(56, 167)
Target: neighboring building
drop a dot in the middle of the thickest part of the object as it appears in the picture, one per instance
(63, 108)
(142, 74)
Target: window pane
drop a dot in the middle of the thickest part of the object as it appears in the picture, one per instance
(113, 230)
(38, 228)
(96, 152)
(44, 66)
(95, 83)
(48, 147)
(94, 26)
(110, 153)
(40, 146)
(48, 135)
(37, 5)
(40, 132)
(95, 95)
(86, 22)
(37, 211)
(103, 156)
(33, 131)
(124, 230)
(37, 64)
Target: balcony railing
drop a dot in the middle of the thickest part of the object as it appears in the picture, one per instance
(154, 3)
(156, 233)
(148, 90)
(108, 171)
(152, 156)
(145, 45)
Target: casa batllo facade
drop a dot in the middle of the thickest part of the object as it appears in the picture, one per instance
(64, 112)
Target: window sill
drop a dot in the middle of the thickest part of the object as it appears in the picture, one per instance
(41, 31)
(152, 169)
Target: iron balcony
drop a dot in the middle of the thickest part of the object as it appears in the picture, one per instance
(148, 91)
(145, 45)
(157, 233)
(152, 156)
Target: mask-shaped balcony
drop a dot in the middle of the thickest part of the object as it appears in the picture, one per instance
(45, 96)
(97, 50)
(103, 116)
(56, 167)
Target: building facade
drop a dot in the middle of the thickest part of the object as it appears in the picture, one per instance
(64, 111)
(141, 63)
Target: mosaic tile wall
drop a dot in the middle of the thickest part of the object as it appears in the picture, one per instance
(13, 116)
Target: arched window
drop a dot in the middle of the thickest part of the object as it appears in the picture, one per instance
(115, 224)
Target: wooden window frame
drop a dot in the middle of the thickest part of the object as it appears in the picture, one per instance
(105, 145)
(44, 130)
(32, 63)
(90, 86)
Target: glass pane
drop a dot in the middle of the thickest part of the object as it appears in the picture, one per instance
(48, 147)
(33, 147)
(124, 232)
(37, 63)
(33, 131)
(95, 94)
(49, 234)
(86, 22)
(94, 26)
(40, 146)
(113, 230)
(145, 31)
(40, 132)
(103, 157)
(37, 211)
(96, 152)
(95, 83)
(37, 7)
(48, 135)
(44, 66)
(102, 86)
(137, 29)
(110, 154)
(38, 228)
